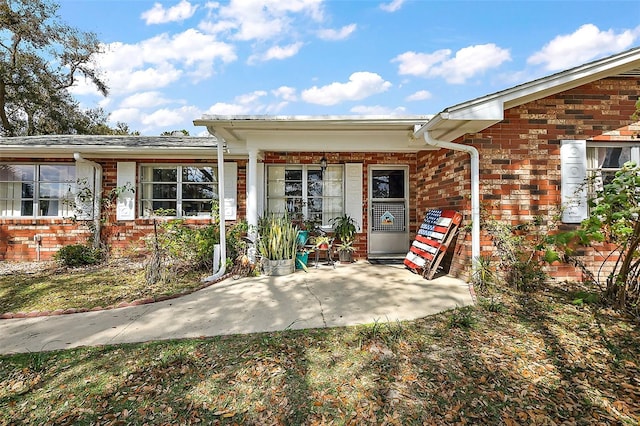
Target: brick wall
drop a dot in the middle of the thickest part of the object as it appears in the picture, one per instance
(520, 160)
(122, 237)
(128, 237)
(367, 159)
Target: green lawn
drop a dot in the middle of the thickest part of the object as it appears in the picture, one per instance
(540, 358)
(89, 287)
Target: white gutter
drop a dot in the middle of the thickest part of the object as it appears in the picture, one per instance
(220, 251)
(97, 196)
(475, 189)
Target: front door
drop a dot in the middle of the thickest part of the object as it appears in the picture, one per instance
(388, 211)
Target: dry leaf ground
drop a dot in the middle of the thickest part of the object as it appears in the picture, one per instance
(542, 358)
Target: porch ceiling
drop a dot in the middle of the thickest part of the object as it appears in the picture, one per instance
(317, 133)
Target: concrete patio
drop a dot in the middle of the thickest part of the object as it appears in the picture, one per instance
(351, 294)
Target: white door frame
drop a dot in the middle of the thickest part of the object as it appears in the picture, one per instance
(387, 243)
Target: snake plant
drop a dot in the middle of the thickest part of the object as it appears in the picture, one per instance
(278, 237)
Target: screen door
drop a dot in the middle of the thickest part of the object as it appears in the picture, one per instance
(388, 212)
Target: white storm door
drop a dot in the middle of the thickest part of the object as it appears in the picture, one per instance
(388, 210)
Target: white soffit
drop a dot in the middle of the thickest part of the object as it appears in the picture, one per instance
(318, 133)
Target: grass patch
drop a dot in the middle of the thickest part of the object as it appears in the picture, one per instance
(545, 361)
(88, 287)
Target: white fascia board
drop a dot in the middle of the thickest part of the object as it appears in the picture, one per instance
(552, 84)
(478, 114)
(239, 120)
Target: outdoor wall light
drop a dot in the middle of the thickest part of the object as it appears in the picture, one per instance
(323, 163)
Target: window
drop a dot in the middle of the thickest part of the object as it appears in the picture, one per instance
(593, 163)
(179, 190)
(28, 190)
(604, 161)
(318, 195)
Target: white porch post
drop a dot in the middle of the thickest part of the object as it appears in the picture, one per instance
(252, 190)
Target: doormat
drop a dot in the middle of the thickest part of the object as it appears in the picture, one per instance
(397, 261)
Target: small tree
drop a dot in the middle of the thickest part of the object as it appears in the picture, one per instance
(614, 220)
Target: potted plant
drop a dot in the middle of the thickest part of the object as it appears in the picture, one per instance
(345, 229)
(277, 244)
(303, 250)
(345, 252)
(321, 242)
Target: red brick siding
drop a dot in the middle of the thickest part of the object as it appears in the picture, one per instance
(128, 237)
(367, 159)
(520, 159)
(122, 237)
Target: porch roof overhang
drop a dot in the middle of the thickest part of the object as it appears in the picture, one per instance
(316, 133)
(102, 146)
(478, 114)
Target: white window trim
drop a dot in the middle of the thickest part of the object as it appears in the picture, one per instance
(36, 190)
(179, 183)
(305, 168)
(576, 166)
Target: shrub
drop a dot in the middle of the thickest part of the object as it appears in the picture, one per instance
(613, 220)
(183, 246)
(522, 252)
(462, 318)
(75, 255)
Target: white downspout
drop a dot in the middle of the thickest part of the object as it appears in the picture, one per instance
(221, 249)
(475, 193)
(97, 198)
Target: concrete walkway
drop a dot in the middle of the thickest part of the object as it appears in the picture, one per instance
(352, 294)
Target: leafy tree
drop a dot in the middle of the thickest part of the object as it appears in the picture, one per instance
(614, 219)
(40, 59)
(94, 122)
(182, 132)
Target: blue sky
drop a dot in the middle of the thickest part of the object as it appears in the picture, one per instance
(169, 62)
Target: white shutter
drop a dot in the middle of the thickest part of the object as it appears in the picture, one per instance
(85, 179)
(573, 158)
(230, 190)
(126, 204)
(260, 188)
(353, 192)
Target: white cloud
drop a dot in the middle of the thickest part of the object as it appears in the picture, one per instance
(360, 85)
(276, 52)
(260, 19)
(583, 45)
(377, 110)
(124, 115)
(144, 100)
(340, 34)
(159, 15)
(467, 62)
(169, 117)
(420, 95)
(285, 92)
(83, 86)
(145, 79)
(161, 60)
(394, 6)
(250, 98)
(222, 108)
(248, 103)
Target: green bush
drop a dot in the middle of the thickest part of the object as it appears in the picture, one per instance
(521, 252)
(181, 244)
(75, 255)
